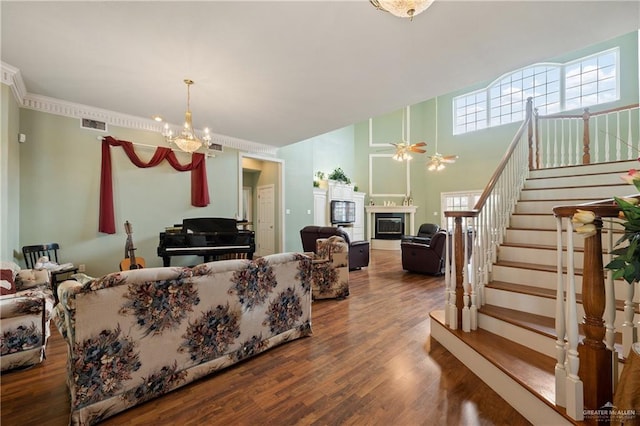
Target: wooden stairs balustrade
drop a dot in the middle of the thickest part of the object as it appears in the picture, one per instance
(514, 348)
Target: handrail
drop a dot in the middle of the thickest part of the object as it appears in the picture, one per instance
(606, 111)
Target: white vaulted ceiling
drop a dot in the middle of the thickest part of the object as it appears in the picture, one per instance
(277, 72)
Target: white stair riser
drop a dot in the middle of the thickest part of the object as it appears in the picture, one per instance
(540, 206)
(534, 304)
(540, 237)
(541, 279)
(541, 256)
(536, 341)
(521, 302)
(547, 221)
(595, 192)
(620, 167)
(558, 182)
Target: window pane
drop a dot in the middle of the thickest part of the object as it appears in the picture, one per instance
(592, 80)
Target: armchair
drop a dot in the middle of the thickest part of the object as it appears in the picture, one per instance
(425, 233)
(25, 312)
(358, 250)
(425, 258)
(330, 273)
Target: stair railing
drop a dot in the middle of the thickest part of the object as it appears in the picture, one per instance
(469, 260)
(587, 138)
(586, 371)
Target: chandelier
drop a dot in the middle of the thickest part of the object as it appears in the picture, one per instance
(402, 8)
(186, 140)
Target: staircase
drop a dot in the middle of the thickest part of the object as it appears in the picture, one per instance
(513, 350)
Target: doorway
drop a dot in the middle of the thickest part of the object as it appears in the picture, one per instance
(262, 179)
(265, 231)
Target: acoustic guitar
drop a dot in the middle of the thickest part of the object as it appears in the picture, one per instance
(130, 261)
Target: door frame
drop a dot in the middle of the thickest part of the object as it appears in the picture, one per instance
(279, 213)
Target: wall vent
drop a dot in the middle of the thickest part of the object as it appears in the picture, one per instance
(87, 123)
(216, 147)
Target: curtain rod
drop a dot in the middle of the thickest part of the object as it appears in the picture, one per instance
(144, 145)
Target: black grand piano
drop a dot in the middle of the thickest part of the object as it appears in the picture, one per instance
(210, 237)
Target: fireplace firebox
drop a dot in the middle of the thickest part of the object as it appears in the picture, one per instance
(389, 226)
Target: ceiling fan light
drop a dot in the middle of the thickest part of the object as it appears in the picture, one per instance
(402, 8)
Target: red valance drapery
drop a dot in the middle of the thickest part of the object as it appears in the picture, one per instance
(198, 168)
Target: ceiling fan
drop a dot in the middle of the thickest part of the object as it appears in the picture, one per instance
(404, 148)
(437, 161)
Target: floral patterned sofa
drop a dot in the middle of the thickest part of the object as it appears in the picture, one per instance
(138, 334)
(25, 311)
(330, 276)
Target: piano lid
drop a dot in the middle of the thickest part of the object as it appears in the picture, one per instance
(210, 225)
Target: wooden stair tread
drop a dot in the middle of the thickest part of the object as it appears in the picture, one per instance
(529, 368)
(599, 185)
(538, 246)
(534, 266)
(525, 289)
(544, 292)
(538, 323)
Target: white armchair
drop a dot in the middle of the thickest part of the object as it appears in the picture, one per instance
(25, 317)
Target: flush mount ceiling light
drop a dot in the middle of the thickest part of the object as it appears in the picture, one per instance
(402, 8)
(186, 140)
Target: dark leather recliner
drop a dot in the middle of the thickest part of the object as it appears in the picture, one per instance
(425, 258)
(425, 233)
(358, 250)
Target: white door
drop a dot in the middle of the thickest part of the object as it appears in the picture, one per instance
(265, 232)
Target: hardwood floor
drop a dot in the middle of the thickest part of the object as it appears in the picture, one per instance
(370, 361)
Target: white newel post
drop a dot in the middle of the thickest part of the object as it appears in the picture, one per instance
(560, 371)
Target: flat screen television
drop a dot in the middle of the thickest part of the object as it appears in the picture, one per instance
(342, 212)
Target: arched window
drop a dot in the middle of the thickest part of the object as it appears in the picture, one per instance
(554, 87)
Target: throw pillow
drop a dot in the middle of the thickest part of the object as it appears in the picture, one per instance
(7, 282)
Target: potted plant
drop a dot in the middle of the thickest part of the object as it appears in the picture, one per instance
(338, 175)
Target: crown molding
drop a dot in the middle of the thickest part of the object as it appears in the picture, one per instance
(12, 78)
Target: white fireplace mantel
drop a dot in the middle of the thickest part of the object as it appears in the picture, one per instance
(407, 210)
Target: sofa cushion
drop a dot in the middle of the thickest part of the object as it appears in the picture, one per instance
(7, 282)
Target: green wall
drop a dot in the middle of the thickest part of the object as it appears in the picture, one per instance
(9, 175)
(302, 161)
(60, 184)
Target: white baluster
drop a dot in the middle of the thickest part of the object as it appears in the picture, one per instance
(560, 371)
(629, 137)
(555, 143)
(609, 315)
(453, 313)
(466, 310)
(579, 148)
(562, 148)
(596, 137)
(447, 278)
(548, 141)
(570, 145)
(619, 136)
(606, 138)
(575, 395)
(475, 302)
(629, 329)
